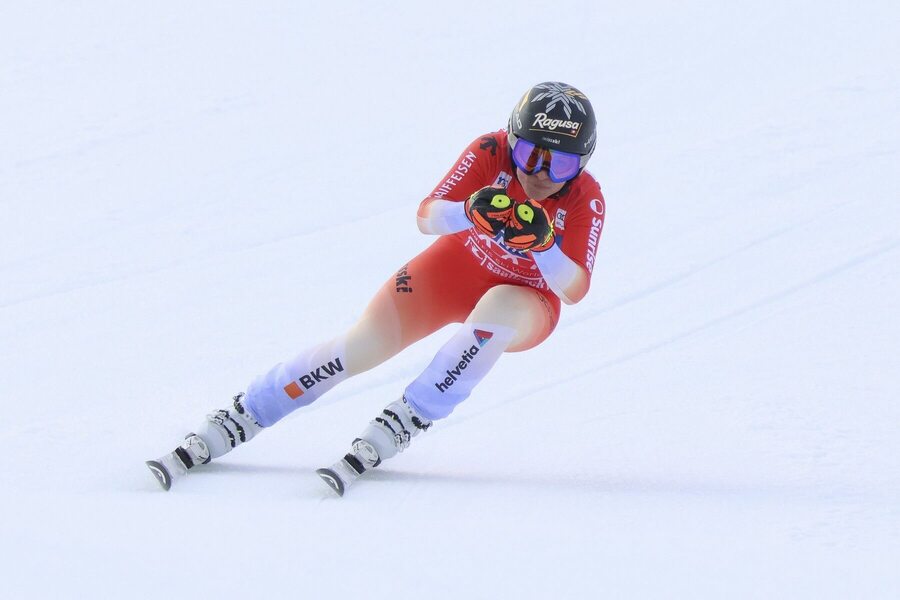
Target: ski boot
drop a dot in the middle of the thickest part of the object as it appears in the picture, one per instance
(223, 431)
(389, 433)
(193, 451)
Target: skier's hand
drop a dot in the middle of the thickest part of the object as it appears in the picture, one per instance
(488, 209)
(529, 227)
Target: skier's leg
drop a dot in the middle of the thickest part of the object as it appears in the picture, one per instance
(411, 305)
(531, 313)
(285, 388)
(394, 319)
(507, 318)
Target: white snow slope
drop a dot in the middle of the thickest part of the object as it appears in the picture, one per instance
(192, 192)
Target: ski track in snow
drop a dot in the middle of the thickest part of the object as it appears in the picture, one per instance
(723, 319)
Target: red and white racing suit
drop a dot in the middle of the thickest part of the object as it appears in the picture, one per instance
(442, 284)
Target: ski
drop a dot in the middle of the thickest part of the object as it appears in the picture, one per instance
(161, 474)
(342, 474)
(333, 480)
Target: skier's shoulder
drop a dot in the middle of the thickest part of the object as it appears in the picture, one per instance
(587, 184)
(583, 195)
(494, 143)
(487, 157)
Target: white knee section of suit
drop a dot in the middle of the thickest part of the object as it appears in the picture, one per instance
(297, 382)
(457, 368)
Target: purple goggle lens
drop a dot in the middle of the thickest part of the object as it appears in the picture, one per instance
(562, 166)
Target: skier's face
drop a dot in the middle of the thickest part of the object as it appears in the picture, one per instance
(538, 186)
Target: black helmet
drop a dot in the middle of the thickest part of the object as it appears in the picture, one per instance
(556, 116)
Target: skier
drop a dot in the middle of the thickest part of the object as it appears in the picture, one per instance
(519, 220)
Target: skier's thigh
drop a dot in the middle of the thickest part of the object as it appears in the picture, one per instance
(376, 337)
(522, 308)
(401, 314)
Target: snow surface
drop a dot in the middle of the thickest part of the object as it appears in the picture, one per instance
(192, 192)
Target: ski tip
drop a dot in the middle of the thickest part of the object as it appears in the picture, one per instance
(332, 479)
(162, 475)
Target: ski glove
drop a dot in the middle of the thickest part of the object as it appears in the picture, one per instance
(528, 227)
(488, 209)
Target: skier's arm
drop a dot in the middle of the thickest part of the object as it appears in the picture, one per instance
(487, 210)
(567, 265)
(437, 216)
(566, 278)
(443, 211)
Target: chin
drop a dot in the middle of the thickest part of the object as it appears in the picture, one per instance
(537, 192)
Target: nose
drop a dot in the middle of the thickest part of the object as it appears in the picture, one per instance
(542, 176)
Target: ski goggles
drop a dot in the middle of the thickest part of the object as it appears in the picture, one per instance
(530, 158)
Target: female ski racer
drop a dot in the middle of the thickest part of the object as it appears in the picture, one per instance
(519, 220)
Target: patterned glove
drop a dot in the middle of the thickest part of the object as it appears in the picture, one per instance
(488, 209)
(529, 227)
